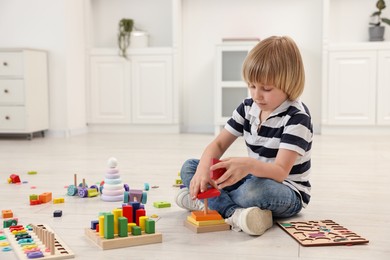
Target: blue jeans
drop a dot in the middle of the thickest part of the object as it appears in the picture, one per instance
(249, 192)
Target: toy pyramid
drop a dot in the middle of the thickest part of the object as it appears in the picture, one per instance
(113, 189)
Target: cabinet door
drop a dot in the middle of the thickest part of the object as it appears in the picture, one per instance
(352, 87)
(152, 89)
(383, 104)
(110, 90)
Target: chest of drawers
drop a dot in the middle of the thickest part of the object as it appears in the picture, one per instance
(23, 92)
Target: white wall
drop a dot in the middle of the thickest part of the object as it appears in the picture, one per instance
(57, 26)
(206, 22)
(54, 26)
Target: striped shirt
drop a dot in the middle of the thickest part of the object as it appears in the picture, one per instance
(289, 127)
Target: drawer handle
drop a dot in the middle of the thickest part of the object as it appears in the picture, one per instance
(7, 118)
(5, 63)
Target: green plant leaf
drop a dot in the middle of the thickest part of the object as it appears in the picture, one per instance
(377, 13)
(386, 21)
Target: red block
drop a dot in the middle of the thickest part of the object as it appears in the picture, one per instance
(15, 178)
(214, 175)
(139, 213)
(210, 193)
(127, 212)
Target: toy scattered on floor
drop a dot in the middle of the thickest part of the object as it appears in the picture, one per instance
(57, 213)
(58, 200)
(178, 181)
(10, 222)
(7, 213)
(123, 227)
(113, 188)
(207, 220)
(14, 178)
(82, 189)
(161, 204)
(135, 195)
(39, 199)
(321, 233)
(37, 241)
(32, 172)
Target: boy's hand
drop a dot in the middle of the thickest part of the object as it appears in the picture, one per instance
(236, 169)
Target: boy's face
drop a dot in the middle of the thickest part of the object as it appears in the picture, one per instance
(267, 97)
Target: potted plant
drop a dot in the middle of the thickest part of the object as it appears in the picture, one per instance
(376, 31)
(125, 29)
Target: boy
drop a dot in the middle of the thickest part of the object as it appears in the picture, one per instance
(277, 128)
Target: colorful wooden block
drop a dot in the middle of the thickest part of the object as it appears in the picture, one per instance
(14, 178)
(161, 204)
(109, 226)
(211, 215)
(205, 222)
(122, 227)
(10, 222)
(210, 193)
(136, 231)
(127, 211)
(7, 213)
(216, 174)
(139, 213)
(150, 226)
(58, 200)
(45, 197)
(205, 229)
(57, 213)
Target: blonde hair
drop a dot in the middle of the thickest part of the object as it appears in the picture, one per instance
(276, 61)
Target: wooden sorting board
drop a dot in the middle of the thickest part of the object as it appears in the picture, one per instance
(321, 233)
(61, 250)
(120, 242)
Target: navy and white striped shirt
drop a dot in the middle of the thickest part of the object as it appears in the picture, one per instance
(289, 127)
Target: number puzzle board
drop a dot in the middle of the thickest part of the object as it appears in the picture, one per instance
(321, 233)
(61, 250)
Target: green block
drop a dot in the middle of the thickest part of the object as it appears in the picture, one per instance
(161, 204)
(122, 227)
(150, 225)
(109, 226)
(33, 197)
(136, 231)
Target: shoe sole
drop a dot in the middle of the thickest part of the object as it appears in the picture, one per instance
(255, 221)
(179, 197)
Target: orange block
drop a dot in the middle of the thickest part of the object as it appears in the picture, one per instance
(45, 197)
(211, 215)
(7, 213)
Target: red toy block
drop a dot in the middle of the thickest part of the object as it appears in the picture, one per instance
(210, 193)
(14, 178)
(216, 174)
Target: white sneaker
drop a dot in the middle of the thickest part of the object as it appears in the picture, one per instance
(183, 200)
(253, 221)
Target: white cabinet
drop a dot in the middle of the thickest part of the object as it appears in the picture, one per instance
(152, 89)
(383, 108)
(230, 89)
(352, 87)
(358, 87)
(356, 78)
(110, 90)
(23, 91)
(137, 91)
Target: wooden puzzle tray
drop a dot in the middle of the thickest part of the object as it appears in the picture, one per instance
(43, 238)
(321, 233)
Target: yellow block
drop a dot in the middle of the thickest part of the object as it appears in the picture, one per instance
(101, 226)
(129, 225)
(142, 220)
(117, 213)
(205, 222)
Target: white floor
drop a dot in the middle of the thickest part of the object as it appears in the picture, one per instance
(350, 182)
